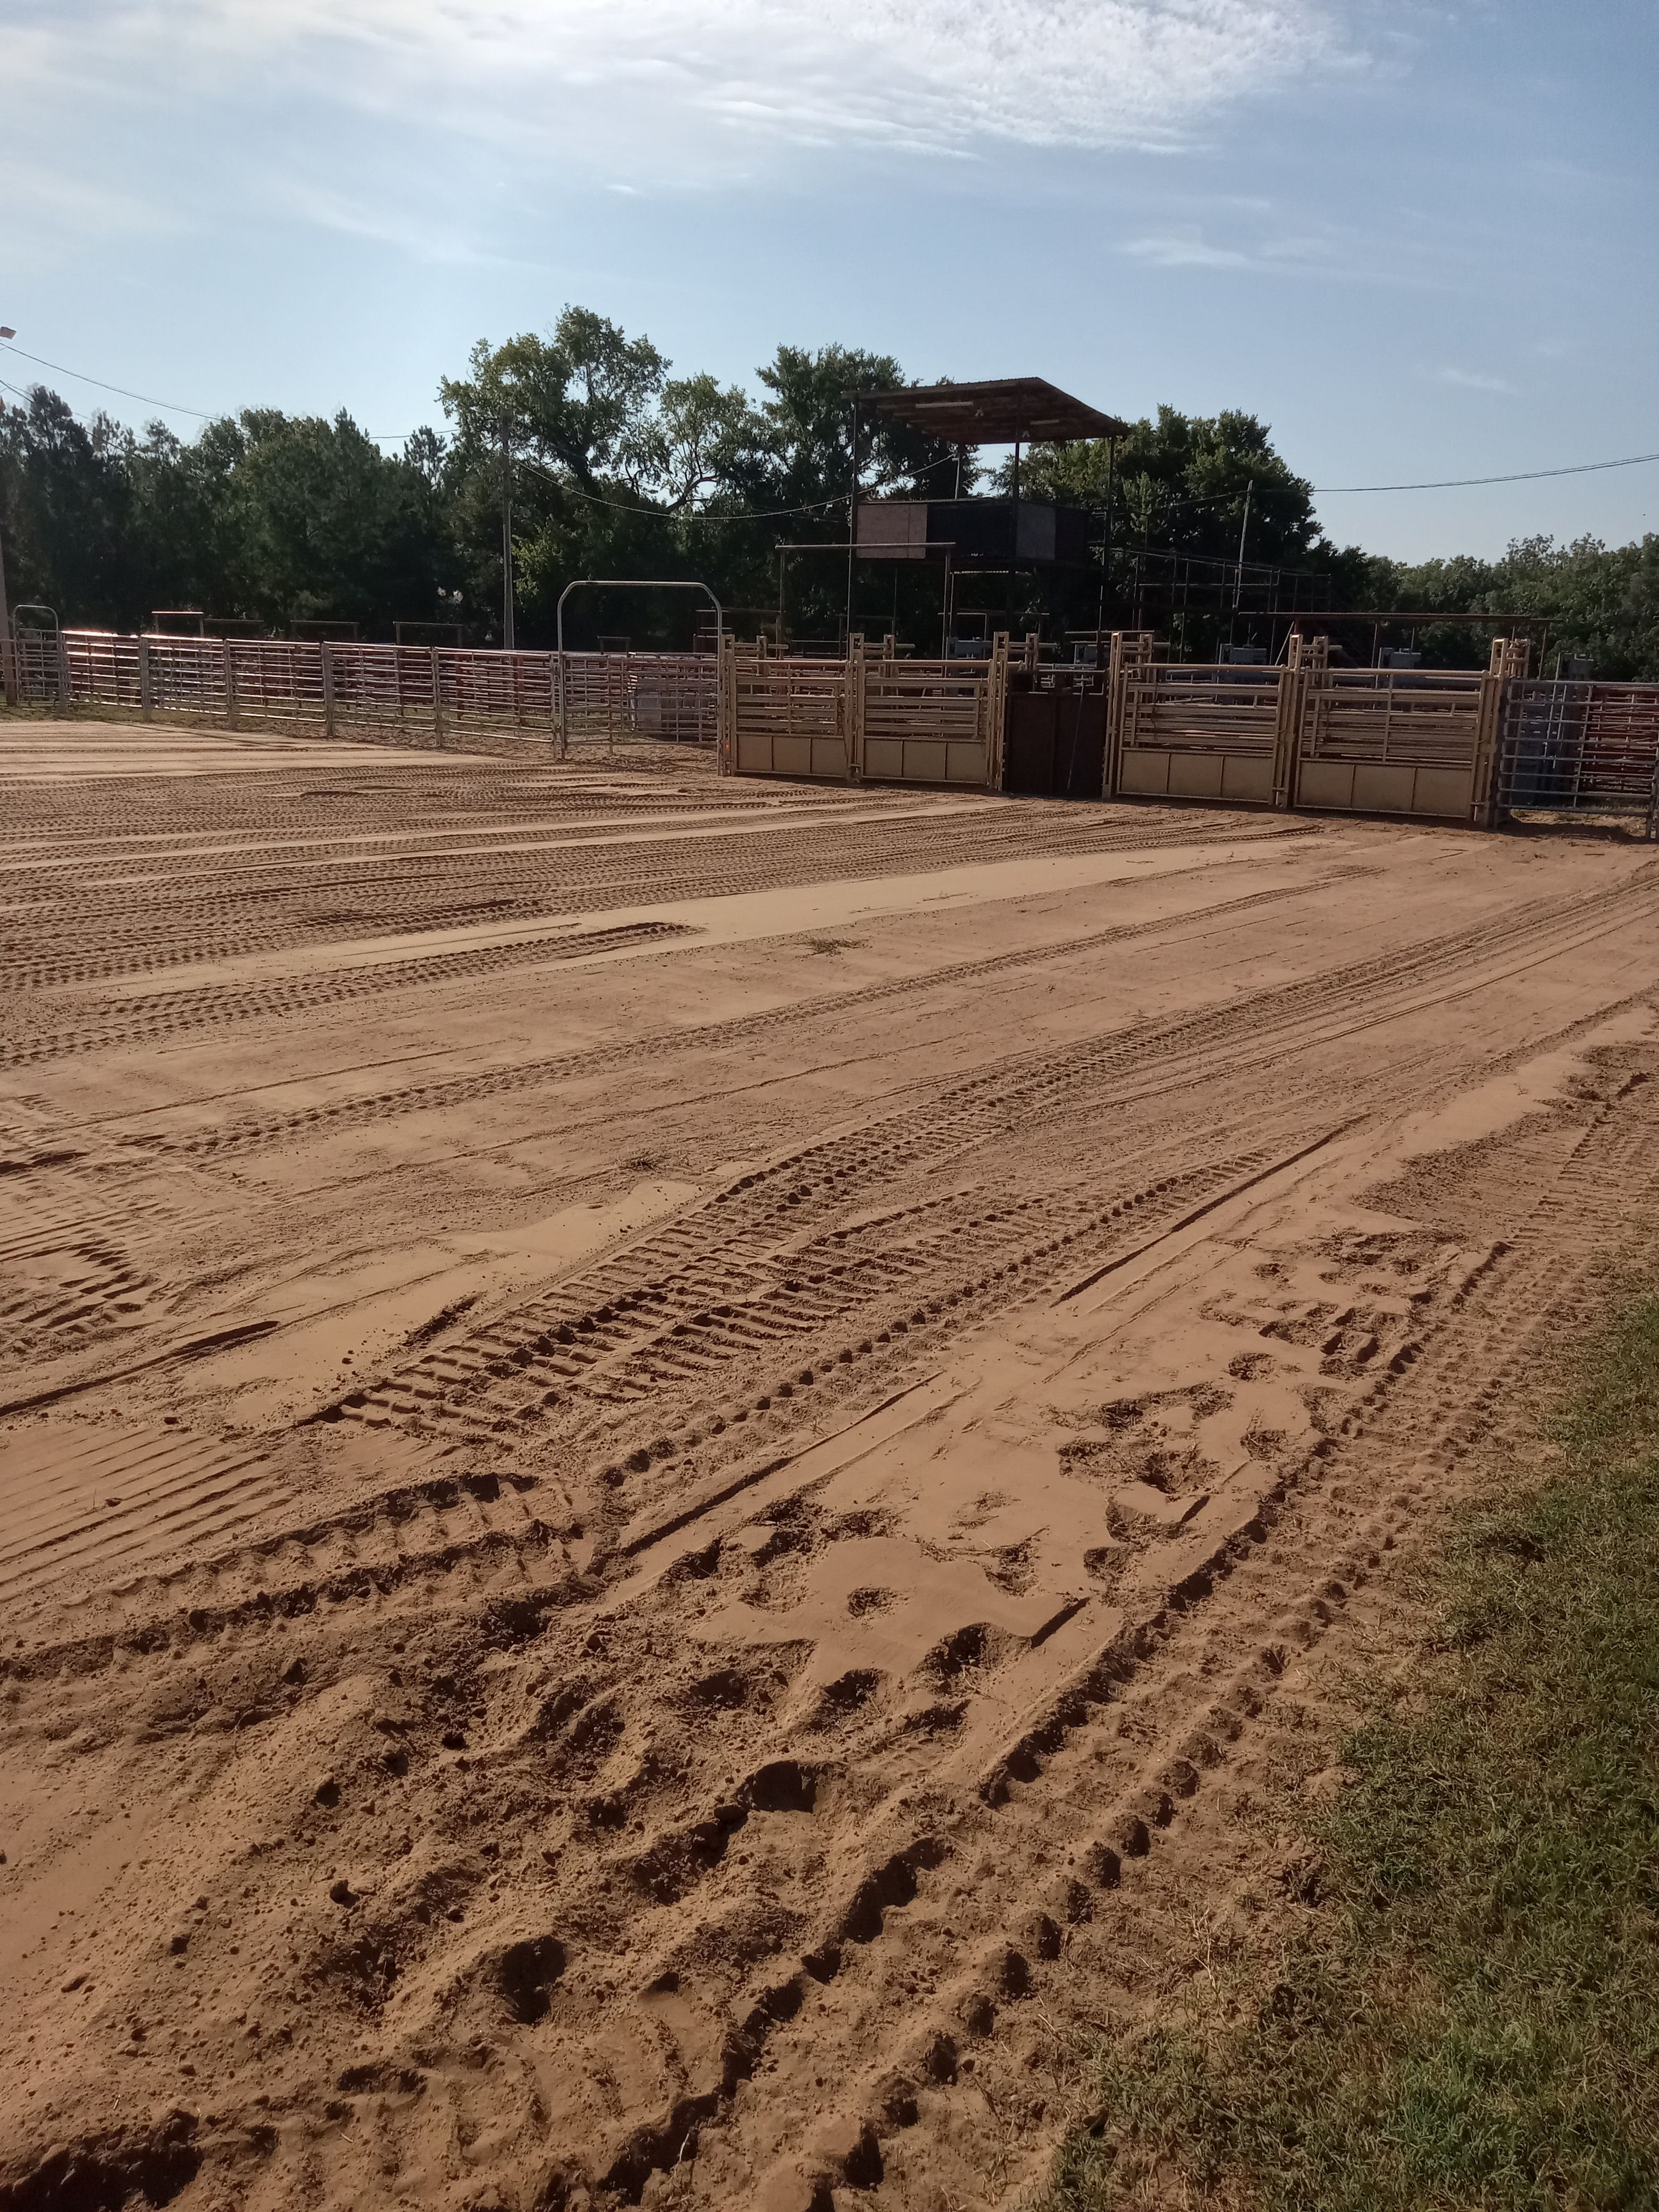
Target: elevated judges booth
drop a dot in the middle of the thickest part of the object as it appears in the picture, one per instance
(1054, 725)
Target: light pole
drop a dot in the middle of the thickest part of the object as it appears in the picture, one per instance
(507, 536)
(5, 613)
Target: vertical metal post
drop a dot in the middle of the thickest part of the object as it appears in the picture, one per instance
(7, 681)
(852, 521)
(146, 683)
(1238, 586)
(1106, 540)
(437, 696)
(561, 696)
(725, 704)
(326, 652)
(852, 710)
(232, 714)
(507, 634)
(1013, 544)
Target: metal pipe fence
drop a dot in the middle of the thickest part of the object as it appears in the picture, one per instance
(1574, 746)
(1478, 747)
(413, 690)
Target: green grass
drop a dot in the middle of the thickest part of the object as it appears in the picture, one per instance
(1475, 2022)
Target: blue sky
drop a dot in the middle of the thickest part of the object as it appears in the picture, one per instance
(1417, 239)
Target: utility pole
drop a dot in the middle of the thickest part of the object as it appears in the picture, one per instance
(1106, 543)
(5, 609)
(506, 536)
(1238, 587)
(852, 520)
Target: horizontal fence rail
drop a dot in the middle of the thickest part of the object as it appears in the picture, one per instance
(414, 691)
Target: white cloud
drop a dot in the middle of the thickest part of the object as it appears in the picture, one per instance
(1188, 248)
(1185, 250)
(1469, 380)
(678, 84)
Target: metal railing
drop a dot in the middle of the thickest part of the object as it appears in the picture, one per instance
(1578, 747)
(414, 691)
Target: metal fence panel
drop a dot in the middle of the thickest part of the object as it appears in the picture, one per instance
(609, 697)
(1578, 747)
(1396, 741)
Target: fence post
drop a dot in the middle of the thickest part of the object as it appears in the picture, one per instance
(64, 696)
(996, 710)
(852, 708)
(1503, 665)
(1110, 751)
(1287, 731)
(232, 714)
(146, 683)
(326, 652)
(725, 707)
(437, 697)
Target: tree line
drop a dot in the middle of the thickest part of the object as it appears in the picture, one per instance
(616, 466)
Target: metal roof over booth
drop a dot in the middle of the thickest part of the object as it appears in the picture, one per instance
(1009, 410)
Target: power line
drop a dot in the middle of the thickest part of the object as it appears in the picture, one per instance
(745, 515)
(669, 513)
(390, 437)
(1521, 475)
(167, 406)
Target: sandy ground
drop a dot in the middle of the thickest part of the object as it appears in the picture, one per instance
(661, 1436)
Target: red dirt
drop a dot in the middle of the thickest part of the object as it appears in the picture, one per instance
(656, 1428)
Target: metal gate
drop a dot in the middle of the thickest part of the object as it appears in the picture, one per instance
(783, 717)
(1572, 747)
(1203, 732)
(928, 722)
(1055, 726)
(36, 673)
(872, 717)
(1392, 741)
(1405, 741)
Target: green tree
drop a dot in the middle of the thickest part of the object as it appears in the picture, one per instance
(1180, 484)
(64, 507)
(1602, 601)
(330, 528)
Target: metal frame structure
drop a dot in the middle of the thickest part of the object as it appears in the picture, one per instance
(1009, 411)
(1570, 746)
(866, 718)
(629, 584)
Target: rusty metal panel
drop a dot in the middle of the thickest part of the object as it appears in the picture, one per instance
(1579, 747)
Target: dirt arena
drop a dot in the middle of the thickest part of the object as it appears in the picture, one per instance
(663, 1438)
